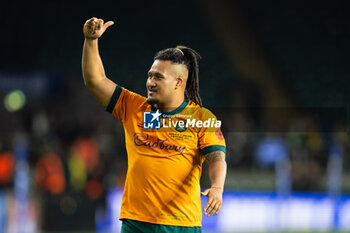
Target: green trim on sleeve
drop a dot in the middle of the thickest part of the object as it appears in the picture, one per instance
(114, 99)
(213, 148)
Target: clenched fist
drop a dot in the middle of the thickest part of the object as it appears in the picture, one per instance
(94, 28)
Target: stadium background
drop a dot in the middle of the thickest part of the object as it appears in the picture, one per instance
(275, 72)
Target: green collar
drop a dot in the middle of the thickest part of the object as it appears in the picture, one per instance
(178, 110)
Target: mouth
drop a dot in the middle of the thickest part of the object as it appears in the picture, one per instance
(152, 91)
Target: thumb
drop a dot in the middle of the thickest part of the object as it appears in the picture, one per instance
(108, 24)
(205, 192)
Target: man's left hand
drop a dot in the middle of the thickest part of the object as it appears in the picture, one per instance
(214, 202)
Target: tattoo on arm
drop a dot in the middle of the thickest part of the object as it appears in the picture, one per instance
(215, 156)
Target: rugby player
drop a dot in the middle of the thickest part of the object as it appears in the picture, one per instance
(162, 189)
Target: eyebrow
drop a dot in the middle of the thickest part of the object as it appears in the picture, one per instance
(155, 73)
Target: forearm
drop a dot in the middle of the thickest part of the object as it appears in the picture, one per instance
(217, 168)
(94, 74)
(92, 66)
(217, 173)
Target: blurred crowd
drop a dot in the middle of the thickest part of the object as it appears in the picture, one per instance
(76, 149)
(73, 144)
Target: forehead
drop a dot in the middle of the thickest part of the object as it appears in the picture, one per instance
(163, 67)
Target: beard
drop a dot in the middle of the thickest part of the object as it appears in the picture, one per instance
(152, 101)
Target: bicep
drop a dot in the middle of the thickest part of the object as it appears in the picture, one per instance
(215, 156)
(102, 90)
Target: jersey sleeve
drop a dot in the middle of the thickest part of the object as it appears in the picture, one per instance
(211, 138)
(123, 103)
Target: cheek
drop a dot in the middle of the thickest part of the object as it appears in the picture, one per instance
(166, 88)
(170, 86)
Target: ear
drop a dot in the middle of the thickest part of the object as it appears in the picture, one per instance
(179, 82)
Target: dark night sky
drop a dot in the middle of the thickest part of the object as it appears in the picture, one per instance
(308, 41)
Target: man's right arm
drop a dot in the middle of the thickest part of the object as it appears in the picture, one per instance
(94, 75)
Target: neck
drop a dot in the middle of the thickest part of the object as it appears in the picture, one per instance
(169, 107)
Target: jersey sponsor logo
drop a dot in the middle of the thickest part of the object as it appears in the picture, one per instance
(151, 120)
(143, 139)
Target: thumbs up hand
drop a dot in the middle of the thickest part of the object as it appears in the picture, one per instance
(94, 28)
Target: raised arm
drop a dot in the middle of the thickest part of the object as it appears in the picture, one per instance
(217, 174)
(94, 75)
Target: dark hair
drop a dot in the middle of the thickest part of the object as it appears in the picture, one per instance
(189, 57)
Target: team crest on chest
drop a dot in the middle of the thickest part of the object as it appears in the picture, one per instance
(180, 128)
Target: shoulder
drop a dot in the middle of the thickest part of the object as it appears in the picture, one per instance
(200, 112)
(122, 95)
(132, 95)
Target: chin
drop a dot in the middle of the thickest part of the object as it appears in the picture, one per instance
(152, 101)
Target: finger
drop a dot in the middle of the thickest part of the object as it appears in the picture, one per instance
(93, 20)
(108, 24)
(211, 209)
(218, 208)
(99, 24)
(207, 206)
(90, 20)
(93, 27)
(205, 192)
(89, 23)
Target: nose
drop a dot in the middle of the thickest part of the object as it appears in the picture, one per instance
(151, 82)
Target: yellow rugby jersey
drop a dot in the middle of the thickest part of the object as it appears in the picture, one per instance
(164, 165)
